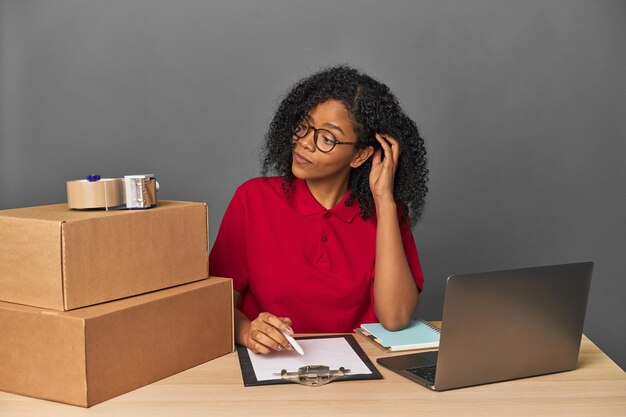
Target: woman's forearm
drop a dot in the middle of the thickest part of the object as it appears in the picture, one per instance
(395, 293)
(242, 327)
(241, 321)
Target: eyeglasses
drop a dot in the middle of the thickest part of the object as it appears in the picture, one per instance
(325, 144)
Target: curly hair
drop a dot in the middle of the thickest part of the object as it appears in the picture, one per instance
(373, 109)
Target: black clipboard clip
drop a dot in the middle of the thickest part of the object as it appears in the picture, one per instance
(314, 375)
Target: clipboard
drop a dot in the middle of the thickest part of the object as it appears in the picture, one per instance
(250, 378)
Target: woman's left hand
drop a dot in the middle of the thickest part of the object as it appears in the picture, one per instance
(383, 170)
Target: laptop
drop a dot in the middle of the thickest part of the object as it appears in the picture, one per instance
(503, 325)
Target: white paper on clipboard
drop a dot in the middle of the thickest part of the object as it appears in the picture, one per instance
(333, 352)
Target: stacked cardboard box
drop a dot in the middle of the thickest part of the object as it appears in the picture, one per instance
(94, 304)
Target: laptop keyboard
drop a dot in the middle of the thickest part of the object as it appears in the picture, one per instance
(425, 372)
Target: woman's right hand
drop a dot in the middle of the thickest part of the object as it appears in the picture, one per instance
(264, 334)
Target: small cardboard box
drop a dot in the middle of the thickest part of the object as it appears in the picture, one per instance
(92, 354)
(57, 258)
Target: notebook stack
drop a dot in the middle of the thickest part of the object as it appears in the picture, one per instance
(94, 304)
(418, 335)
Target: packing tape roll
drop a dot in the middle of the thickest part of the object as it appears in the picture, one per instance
(105, 193)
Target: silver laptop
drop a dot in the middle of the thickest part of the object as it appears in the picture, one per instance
(503, 325)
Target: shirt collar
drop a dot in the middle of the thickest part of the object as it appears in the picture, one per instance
(307, 205)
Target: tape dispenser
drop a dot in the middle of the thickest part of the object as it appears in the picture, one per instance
(130, 192)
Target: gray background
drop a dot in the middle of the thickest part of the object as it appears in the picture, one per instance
(522, 104)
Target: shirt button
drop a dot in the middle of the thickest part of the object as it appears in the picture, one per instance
(324, 238)
(327, 215)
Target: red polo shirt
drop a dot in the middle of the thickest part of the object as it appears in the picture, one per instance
(301, 260)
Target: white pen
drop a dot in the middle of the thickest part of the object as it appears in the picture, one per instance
(293, 343)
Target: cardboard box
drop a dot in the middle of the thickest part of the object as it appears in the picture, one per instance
(57, 258)
(92, 354)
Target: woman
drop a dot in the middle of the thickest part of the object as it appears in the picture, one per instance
(327, 244)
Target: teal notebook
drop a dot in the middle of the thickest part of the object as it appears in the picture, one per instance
(418, 335)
